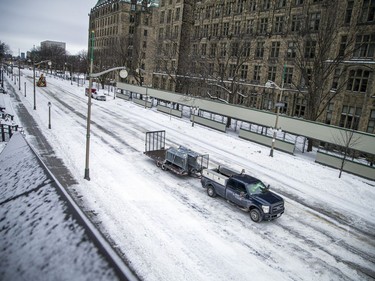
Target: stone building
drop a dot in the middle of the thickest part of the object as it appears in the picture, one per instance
(311, 59)
(124, 36)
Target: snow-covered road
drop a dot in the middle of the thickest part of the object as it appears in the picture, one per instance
(166, 226)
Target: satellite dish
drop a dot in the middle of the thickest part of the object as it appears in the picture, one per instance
(123, 73)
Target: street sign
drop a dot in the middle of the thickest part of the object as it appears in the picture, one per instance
(279, 104)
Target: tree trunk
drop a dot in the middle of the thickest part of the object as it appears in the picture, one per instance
(309, 145)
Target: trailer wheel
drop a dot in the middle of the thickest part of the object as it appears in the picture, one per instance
(255, 215)
(211, 191)
(158, 164)
(163, 167)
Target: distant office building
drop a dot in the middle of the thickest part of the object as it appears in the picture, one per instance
(23, 56)
(49, 44)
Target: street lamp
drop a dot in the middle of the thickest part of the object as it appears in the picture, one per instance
(270, 84)
(35, 64)
(71, 72)
(19, 76)
(49, 115)
(123, 74)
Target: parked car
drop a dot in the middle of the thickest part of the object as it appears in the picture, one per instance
(93, 90)
(99, 96)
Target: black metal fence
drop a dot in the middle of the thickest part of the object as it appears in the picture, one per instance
(7, 131)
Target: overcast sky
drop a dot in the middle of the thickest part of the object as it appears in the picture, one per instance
(26, 23)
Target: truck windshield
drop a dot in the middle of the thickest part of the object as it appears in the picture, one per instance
(256, 187)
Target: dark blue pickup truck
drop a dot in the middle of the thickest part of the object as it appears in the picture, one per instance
(247, 192)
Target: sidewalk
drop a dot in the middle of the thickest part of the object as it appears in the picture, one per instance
(43, 148)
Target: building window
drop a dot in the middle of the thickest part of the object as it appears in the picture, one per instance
(162, 16)
(288, 75)
(259, 52)
(132, 19)
(350, 117)
(252, 5)
(221, 70)
(195, 49)
(210, 69)
(213, 47)
(169, 16)
(240, 4)
(291, 51)
(235, 49)
(284, 108)
(228, 8)
(348, 12)
(177, 15)
(272, 73)
(256, 76)
(145, 32)
(232, 70)
(275, 49)
(215, 29)
(237, 27)
(217, 10)
(266, 4)
(364, 46)
(226, 28)
(280, 3)
(244, 69)
(358, 80)
(343, 46)
(279, 24)
(161, 33)
(268, 101)
(176, 31)
(223, 49)
(205, 30)
(296, 23)
(249, 26)
(336, 77)
(371, 123)
(368, 11)
(247, 49)
(310, 49)
(208, 12)
(300, 107)
(196, 31)
(329, 113)
(314, 21)
(203, 49)
(263, 25)
(298, 2)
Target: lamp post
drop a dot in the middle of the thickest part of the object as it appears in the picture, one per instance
(123, 74)
(278, 105)
(19, 76)
(35, 64)
(49, 115)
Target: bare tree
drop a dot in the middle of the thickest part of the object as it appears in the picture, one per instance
(318, 49)
(346, 141)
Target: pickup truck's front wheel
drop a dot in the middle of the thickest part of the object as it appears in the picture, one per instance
(255, 215)
(211, 191)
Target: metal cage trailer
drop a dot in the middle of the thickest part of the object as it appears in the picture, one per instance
(181, 160)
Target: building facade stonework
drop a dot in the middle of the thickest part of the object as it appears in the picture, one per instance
(316, 55)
